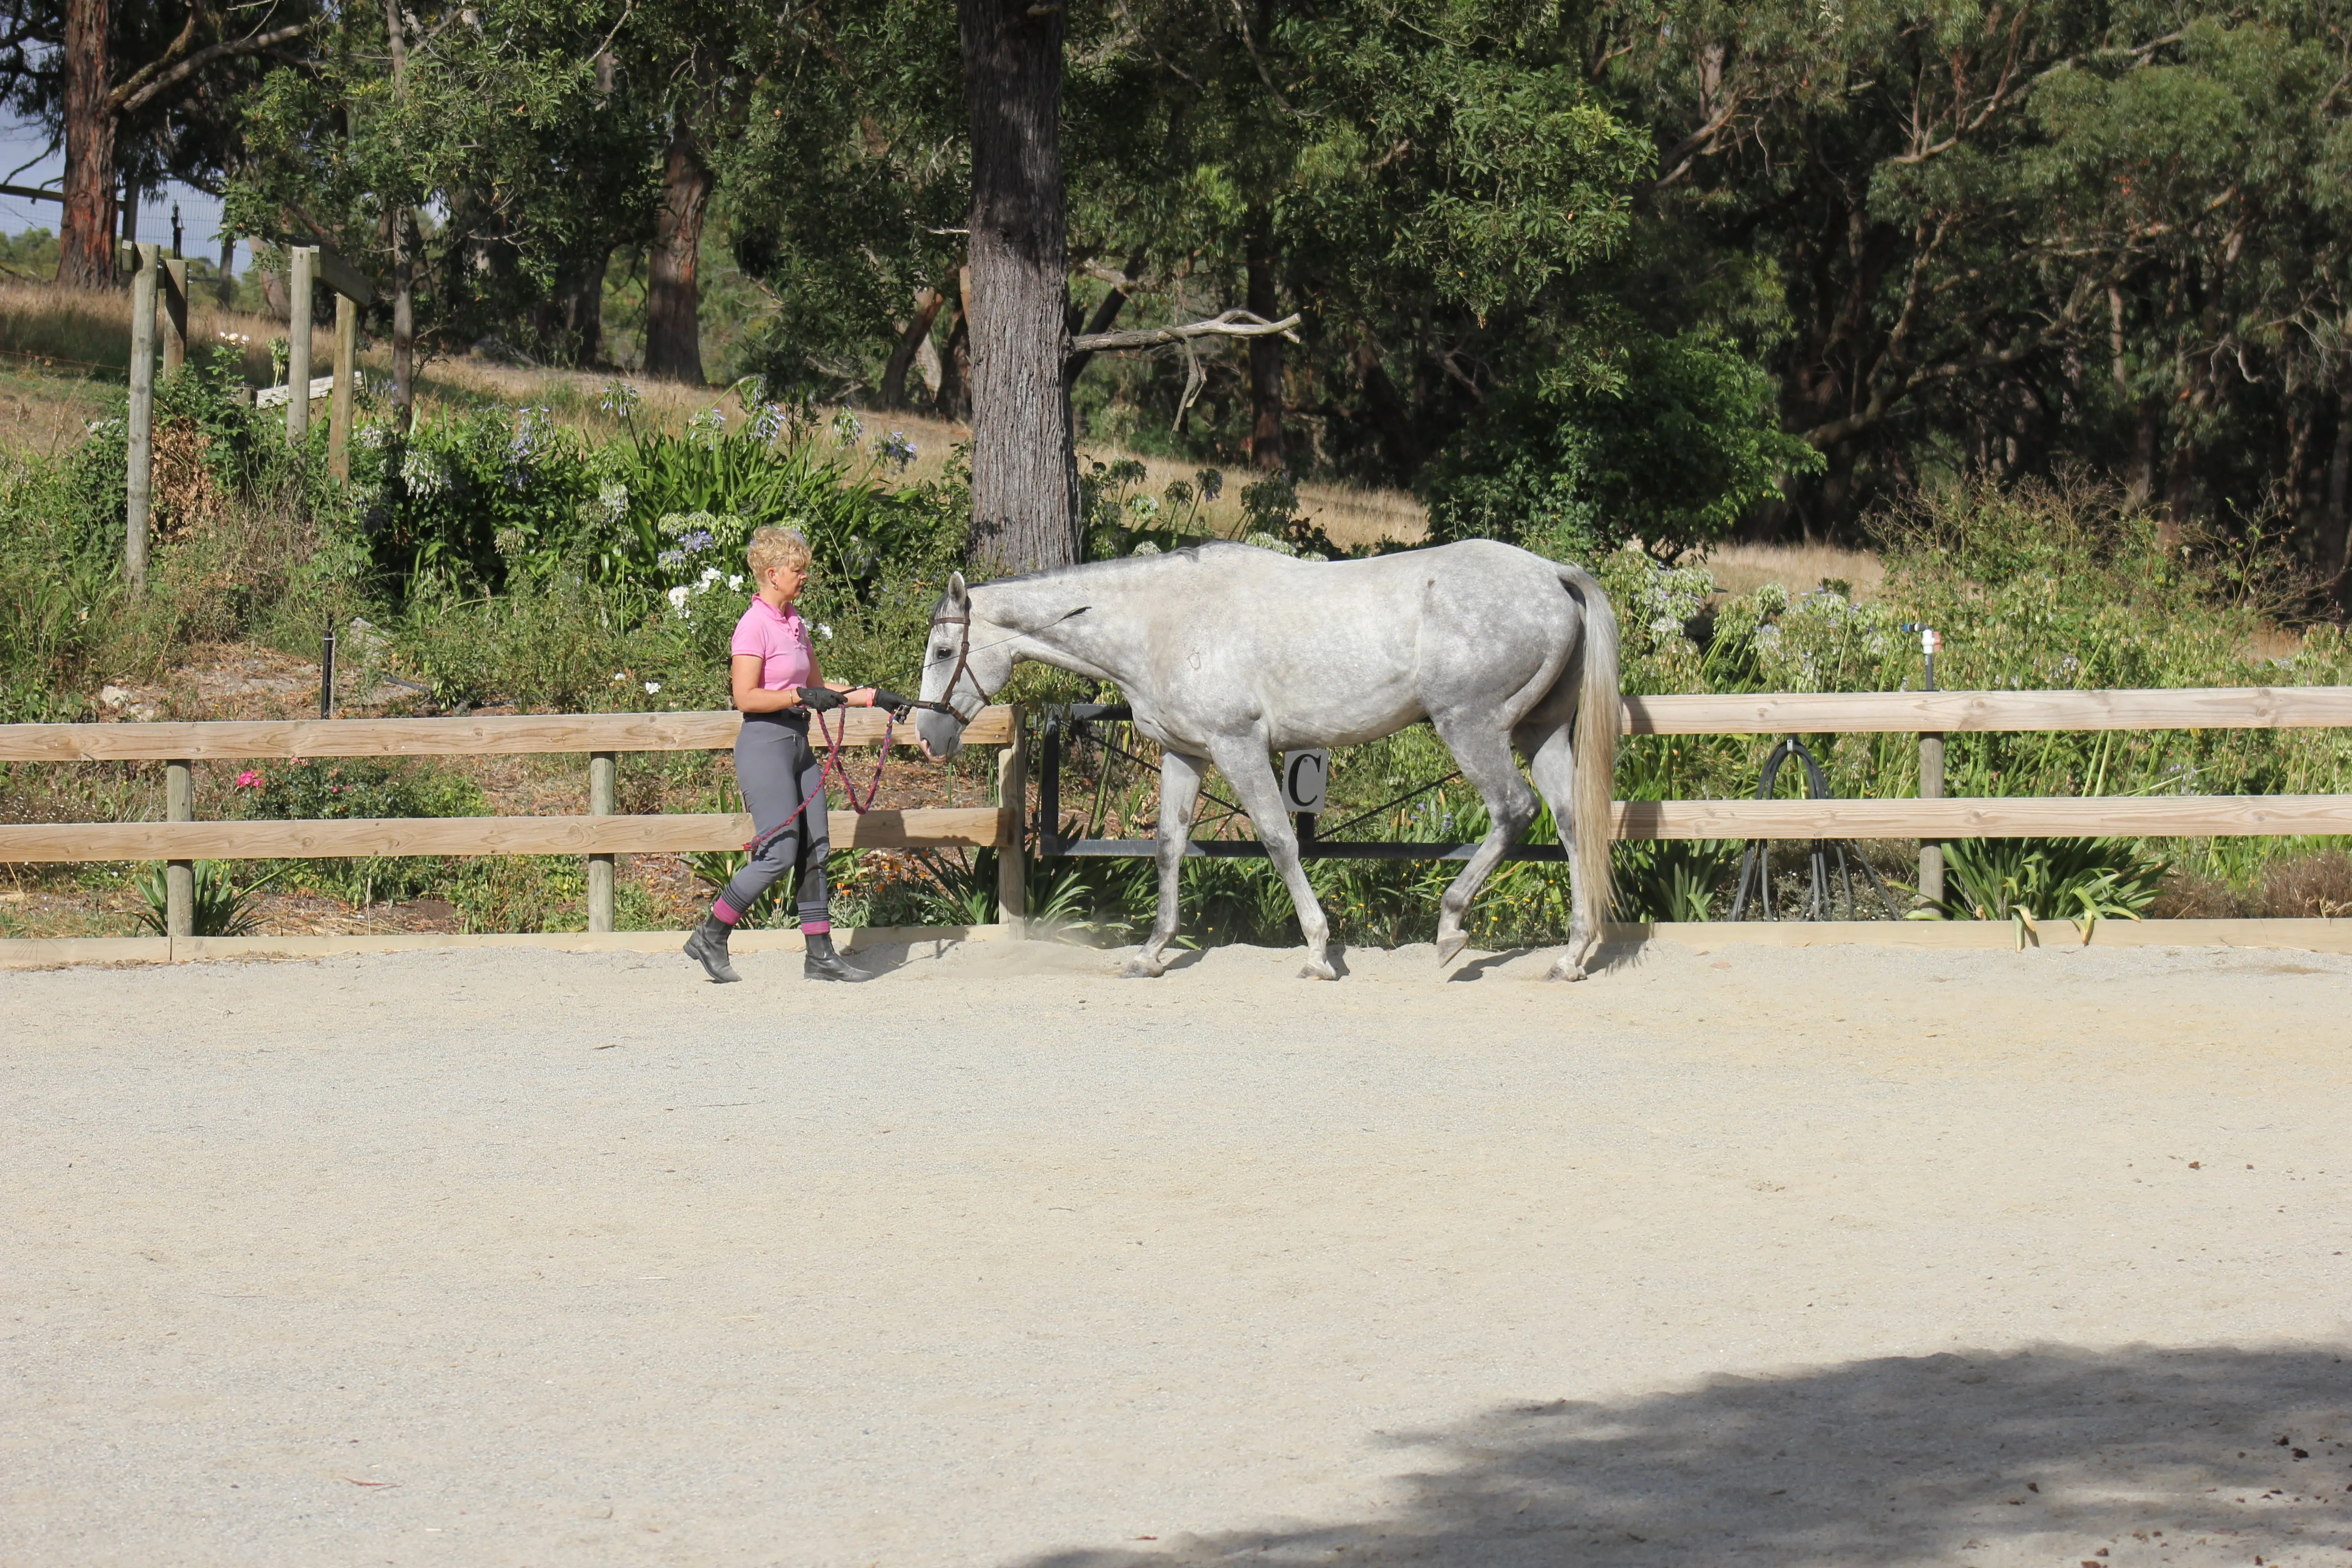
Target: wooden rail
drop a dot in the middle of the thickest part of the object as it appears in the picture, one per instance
(602, 735)
(2000, 817)
(488, 736)
(675, 833)
(1895, 712)
(598, 835)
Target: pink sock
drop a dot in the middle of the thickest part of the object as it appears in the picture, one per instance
(722, 914)
(816, 927)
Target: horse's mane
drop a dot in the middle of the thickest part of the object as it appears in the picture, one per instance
(1117, 563)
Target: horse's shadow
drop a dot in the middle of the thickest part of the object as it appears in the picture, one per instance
(1606, 958)
(2054, 1454)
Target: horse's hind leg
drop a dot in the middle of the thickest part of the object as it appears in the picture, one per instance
(1484, 755)
(1551, 758)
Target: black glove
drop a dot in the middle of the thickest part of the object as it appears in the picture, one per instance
(819, 699)
(890, 702)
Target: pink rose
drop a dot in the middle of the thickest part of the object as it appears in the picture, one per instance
(249, 780)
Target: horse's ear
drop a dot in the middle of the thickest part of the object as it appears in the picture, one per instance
(957, 594)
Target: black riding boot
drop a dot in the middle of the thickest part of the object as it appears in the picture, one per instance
(708, 946)
(824, 963)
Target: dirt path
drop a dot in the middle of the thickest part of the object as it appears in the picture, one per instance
(1769, 1256)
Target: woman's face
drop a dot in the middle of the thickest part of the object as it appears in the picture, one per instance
(787, 580)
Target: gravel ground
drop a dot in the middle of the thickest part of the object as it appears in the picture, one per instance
(1775, 1256)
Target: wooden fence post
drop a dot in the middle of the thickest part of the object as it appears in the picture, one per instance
(173, 282)
(338, 410)
(1931, 787)
(179, 876)
(1012, 818)
(141, 426)
(301, 262)
(603, 778)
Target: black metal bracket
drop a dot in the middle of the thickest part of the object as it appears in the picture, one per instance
(1070, 720)
(1756, 865)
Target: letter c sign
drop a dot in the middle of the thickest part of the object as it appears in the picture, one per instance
(1305, 779)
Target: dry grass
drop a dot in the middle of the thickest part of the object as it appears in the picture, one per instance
(42, 415)
(49, 326)
(1800, 568)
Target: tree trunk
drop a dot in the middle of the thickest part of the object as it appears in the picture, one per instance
(673, 297)
(1104, 315)
(403, 237)
(86, 232)
(404, 320)
(911, 341)
(1025, 470)
(571, 320)
(1265, 353)
(955, 373)
(1388, 408)
(2336, 519)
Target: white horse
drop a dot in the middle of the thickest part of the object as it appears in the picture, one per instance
(1228, 654)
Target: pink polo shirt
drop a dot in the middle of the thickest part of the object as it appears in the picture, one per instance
(780, 639)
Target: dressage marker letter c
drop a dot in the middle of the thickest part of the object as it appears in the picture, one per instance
(1305, 780)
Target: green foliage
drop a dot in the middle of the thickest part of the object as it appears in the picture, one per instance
(2051, 878)
(336, 789)
(218, 907)
(1664, 441)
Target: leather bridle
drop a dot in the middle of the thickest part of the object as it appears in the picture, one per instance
(963, 657)
(962, 665)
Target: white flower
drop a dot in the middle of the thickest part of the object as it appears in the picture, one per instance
(824, 631)
(678, 601)
(735, 583)
(618, 677)
(613, 497)
(652, 687)
(423, 474)
(702, 584)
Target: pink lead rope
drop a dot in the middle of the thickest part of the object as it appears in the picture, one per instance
(832, 767)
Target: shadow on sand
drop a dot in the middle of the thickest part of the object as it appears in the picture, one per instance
(2053, 1455)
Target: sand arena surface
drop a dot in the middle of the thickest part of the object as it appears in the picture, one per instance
(1769, 1256)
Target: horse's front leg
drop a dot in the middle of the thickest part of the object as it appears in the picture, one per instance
(1179, 789)
(1244, 767)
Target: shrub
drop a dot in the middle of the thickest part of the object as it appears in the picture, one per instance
(334, 789)
(1669, 450)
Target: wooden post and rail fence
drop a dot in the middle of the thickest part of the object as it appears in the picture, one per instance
(157, 280)
(603, 833)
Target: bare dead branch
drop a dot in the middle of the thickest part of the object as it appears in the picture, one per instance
(1230, 325)
(259, 43)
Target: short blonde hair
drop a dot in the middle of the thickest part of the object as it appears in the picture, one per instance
(774, 546)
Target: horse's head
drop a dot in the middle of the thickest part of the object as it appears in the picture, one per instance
(959, 670)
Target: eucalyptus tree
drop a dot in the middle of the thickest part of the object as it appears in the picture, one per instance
(132, 93)
(454, 149)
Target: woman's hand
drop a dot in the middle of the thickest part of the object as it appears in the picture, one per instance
(819, 699)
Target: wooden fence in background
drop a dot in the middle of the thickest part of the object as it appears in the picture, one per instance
(180, 840)
(602, 833)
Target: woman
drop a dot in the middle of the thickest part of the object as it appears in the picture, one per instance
(776, 686)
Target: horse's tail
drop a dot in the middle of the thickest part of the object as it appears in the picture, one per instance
(1600, 717)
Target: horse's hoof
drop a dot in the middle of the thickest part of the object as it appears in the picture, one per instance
(1449, 948)
(1319, 972)
(1139, 969)
(1564, 969)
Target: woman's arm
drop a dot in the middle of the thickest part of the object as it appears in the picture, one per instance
(743, 676)
(744, 671)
